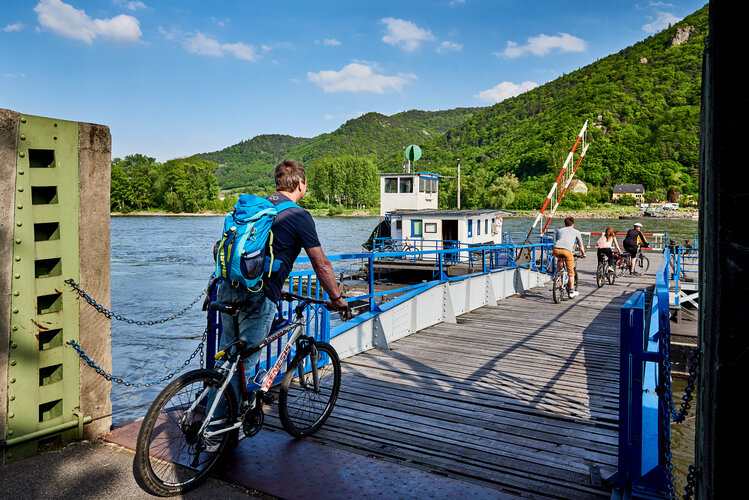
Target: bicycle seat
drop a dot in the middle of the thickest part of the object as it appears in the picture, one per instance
(223, 307)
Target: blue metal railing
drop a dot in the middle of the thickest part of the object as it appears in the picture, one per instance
(684, 266)
(644, 419)
(481, 259)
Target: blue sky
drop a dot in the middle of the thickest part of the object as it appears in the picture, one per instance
(176, 77)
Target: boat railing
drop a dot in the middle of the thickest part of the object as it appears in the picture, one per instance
(684, 267)
(657, 241)
(644, 412)
(319, 324)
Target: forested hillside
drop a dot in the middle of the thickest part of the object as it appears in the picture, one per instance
(643, 107)
(249, 163)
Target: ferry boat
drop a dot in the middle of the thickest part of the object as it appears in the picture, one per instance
(410, 220)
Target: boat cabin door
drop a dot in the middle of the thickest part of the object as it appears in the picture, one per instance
(449, 232)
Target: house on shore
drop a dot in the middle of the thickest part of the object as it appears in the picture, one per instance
(636, 191)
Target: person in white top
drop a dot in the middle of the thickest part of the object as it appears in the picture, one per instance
(604, 245)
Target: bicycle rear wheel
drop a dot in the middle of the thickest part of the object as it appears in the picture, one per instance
(302, 409)
(557, 287)
(171, 457)
(611, 275)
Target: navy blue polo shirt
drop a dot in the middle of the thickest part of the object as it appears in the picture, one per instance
(293, 230)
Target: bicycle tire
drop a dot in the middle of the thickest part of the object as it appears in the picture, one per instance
(622, 267)
(170, 458)
(557, 287)
(611, 275)
(643, 263)
(303, 411)
(599, 275)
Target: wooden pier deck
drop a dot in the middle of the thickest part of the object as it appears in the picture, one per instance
(521, 397)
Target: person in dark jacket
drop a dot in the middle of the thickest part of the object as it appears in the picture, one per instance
(632, 241)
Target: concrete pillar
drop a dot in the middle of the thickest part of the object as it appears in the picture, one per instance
(54, 225)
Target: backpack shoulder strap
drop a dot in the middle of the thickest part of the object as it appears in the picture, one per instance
(284, 205)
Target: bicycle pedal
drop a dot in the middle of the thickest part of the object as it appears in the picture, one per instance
(267, 397)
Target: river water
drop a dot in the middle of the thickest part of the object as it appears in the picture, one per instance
(161, 263)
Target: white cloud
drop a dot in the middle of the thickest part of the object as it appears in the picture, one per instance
(329, 116)
(504, 91)
(67, 21)
(542, 44)
(130, 4)
(205, 46)
(457, 2)
(661, 22)
(13, 27)
(331, 42)
(14, 75)
(357, 77)
(405, 34)
(446, 47)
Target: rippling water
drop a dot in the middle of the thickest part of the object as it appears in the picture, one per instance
(160, 264)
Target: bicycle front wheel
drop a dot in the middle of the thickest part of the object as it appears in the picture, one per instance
(599, 275)
(643, 263)
(303, 409)
(557, 287)
(171, 455)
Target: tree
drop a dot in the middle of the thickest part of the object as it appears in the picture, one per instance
(501, 193)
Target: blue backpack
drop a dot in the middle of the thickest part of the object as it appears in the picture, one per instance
(245, 252)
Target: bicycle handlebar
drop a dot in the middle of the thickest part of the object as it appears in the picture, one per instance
(305, 301)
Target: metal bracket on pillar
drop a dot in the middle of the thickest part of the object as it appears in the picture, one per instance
(448, 312)
(379, 340)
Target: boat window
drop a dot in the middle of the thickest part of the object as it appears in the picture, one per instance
(478, 227)
(486, 226)
(430, 227)
(416, 228)
(406, 185)
(470, 228)
(399, 224)
(391, 184)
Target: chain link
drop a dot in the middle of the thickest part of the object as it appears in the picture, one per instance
(666, 393)
(127, 383)
(110, 314)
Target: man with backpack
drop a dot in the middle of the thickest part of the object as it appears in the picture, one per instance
(254, 278)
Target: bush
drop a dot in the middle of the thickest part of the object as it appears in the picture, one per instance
(627, 199)
(335, 210)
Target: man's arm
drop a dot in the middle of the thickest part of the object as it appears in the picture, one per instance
(580, 243)
(325, 275)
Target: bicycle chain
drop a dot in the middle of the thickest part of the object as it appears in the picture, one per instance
(110, 314)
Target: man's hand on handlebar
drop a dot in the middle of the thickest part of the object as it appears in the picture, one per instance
(340, 305)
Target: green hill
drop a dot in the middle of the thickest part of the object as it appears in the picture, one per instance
(249, 163)
(642, 104)
(643, 107)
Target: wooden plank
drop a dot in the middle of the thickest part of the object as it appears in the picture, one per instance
(521, 396)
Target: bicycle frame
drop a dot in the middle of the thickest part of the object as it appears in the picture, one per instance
(230, 368)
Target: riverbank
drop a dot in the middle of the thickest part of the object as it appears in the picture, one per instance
(609, 212)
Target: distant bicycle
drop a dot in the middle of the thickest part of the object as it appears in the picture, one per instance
(561, 279)
(604, 272)
(180, 439)
(623, 263)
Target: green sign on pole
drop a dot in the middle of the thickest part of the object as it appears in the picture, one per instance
(413, 152)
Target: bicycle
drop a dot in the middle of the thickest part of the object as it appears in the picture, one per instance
(180, 441)
(624, 263)
(604, 272)
(561, 279)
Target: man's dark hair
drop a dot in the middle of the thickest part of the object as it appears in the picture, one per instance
(569, 221)
(289, 174)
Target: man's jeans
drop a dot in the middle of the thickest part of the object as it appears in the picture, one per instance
(255, 319)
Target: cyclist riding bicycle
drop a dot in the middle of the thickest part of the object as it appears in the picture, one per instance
(631, 242)
(564, 246)
(604, 246)
(293, 229)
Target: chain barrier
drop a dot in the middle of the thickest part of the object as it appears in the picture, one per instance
(671, 414)
(127, 383)
(110, 314)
